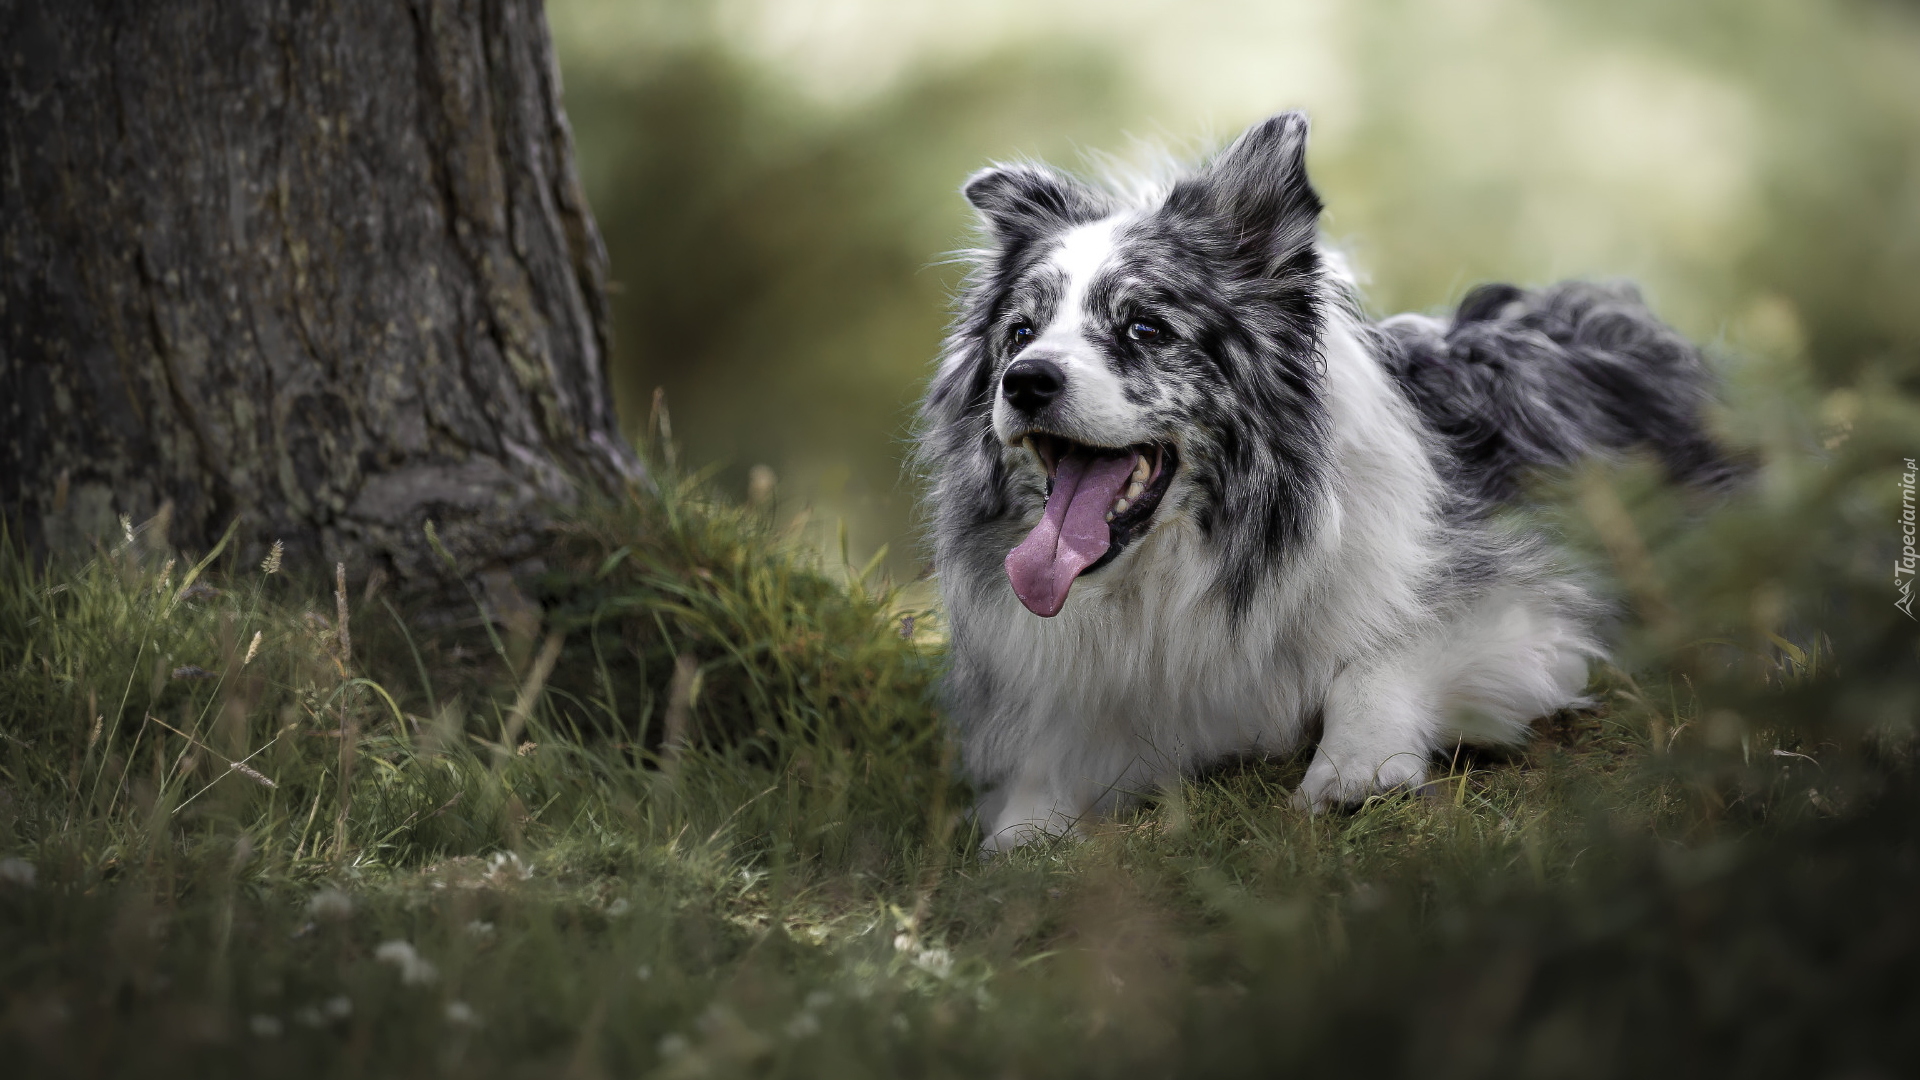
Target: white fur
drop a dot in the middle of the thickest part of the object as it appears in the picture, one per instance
(1096, 410)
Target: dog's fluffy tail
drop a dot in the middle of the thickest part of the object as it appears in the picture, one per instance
(1526, 378)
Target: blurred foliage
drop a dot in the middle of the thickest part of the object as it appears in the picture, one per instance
(782, 270)
(778, 183)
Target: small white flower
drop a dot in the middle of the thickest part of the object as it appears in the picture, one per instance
(415, 970)
(264, 1026)
(330, 903)
(618, 908)
(17, 872)
(478, 928)
(935, 962)
(459, 1012)
(338, 1007)
(672, 1046)
(504, 867)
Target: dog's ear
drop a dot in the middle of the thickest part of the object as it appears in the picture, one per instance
(1260, 185)
(1021, 202)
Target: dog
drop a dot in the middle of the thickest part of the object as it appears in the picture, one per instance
(1187, 503)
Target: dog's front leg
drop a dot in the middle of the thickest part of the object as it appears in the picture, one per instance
(1378, 732)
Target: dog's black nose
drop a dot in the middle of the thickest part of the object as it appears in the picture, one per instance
(1032, 383)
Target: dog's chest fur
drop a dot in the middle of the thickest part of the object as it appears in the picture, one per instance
(1148, 674)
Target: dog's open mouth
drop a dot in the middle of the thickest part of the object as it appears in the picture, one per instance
(1099, 499)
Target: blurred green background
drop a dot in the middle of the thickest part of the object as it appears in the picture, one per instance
(777, 182)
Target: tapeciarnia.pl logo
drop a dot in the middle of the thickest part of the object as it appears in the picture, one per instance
(1903, 567)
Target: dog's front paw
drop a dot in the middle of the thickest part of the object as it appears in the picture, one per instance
(1024, 815)
(1020, 834)
(1346, 780)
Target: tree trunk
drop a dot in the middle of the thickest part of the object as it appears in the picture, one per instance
(324, 267)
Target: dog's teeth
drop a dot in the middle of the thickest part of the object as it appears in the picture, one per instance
(1109, 515)
(1141, 470)
(1134, 489)
(1119, 507)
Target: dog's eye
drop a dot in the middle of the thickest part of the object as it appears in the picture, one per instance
(1142, 330)
(1019, 335)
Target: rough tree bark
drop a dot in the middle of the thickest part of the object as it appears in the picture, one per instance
(322, 266)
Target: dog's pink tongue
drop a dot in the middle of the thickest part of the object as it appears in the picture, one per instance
(1072, 535)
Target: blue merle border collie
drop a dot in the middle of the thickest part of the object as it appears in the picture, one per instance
(1189, 504)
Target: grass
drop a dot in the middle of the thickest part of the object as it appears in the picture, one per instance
(699, 820)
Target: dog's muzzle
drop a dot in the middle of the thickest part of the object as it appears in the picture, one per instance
(1099, 499)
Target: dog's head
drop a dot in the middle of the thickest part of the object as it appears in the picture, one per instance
(1117, 362)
